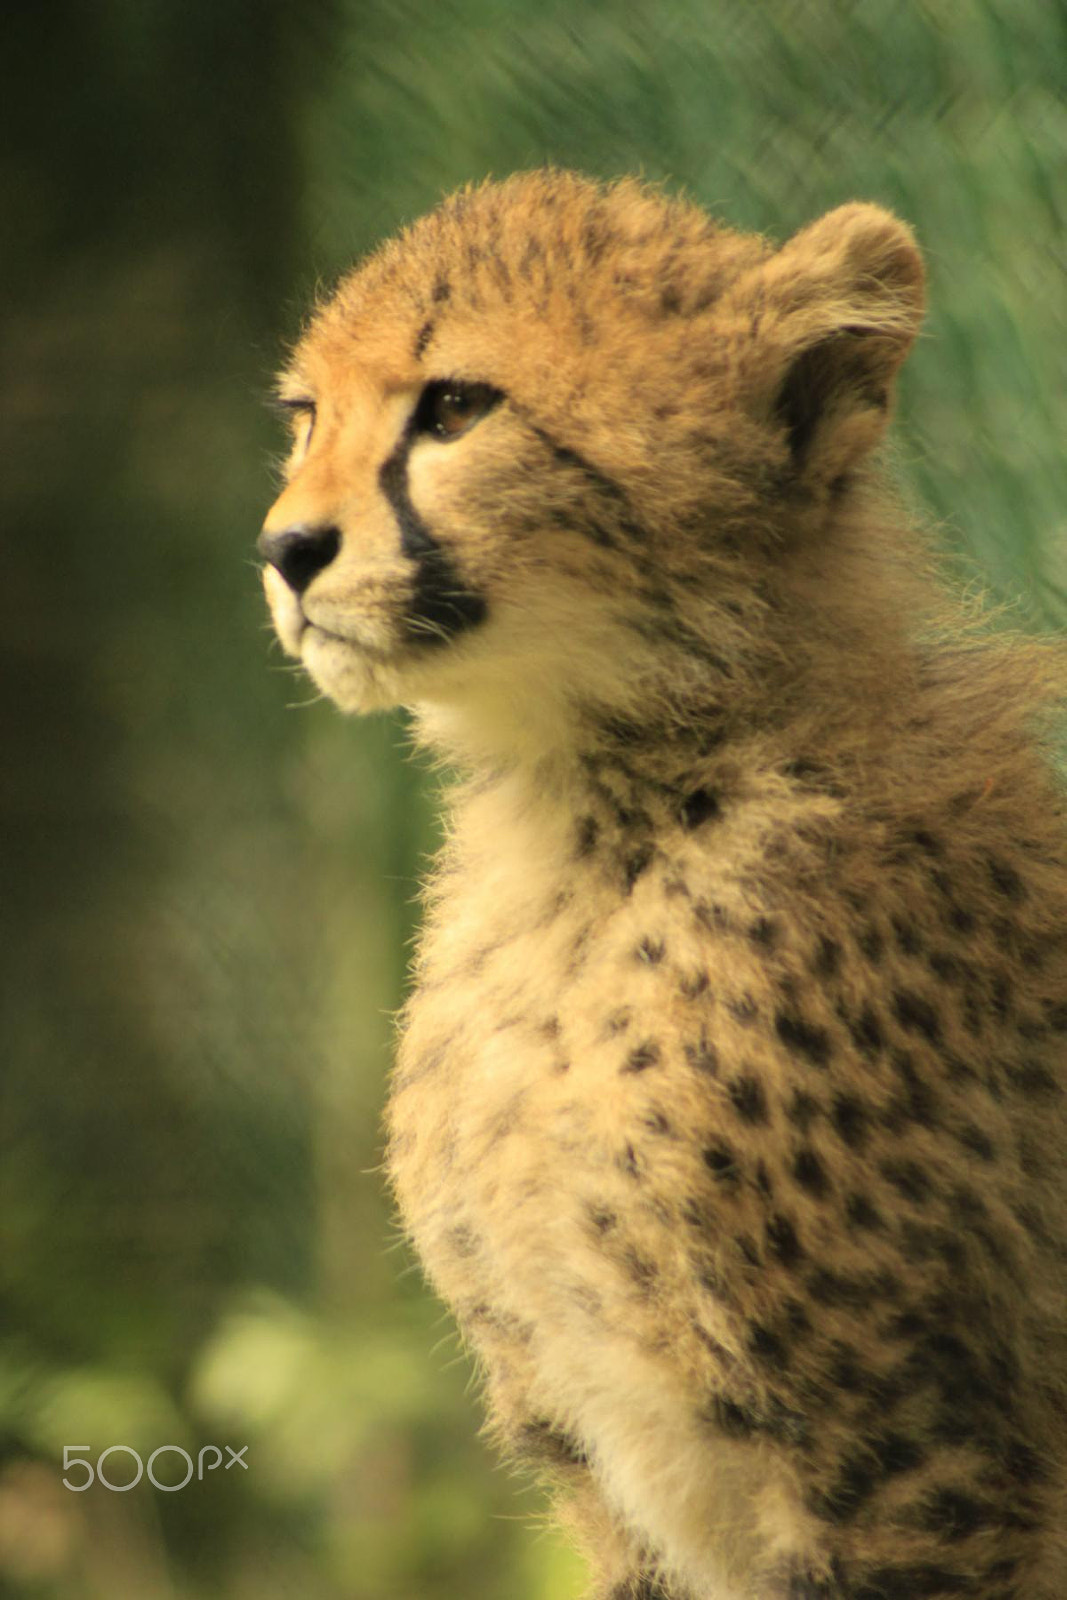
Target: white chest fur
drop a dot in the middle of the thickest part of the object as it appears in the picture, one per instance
(517, 1133)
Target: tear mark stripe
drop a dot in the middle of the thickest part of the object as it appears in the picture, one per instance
(441, 605)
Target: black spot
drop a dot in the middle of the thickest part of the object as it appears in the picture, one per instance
(803, 1109)
(972, 1014)
(463, 1241)
(1023, 1464)
(908, 1178)
(656, 1122)
(928, 842)
(916, 1014)
(596, 237)
(916, 1102)
(746, 1247)
(871, 943)
(967, 1205)
(767, 1346)
(861, 1213)
(896, 1454)
(907, 936)
(616, 1022)
(797, 1318)
(803, 1037)
(602, 1218)
(942, 882)
(442, 291)
(906, 1325)
(693, 985)
(640, 1269)
(722, 1163)
(764, 932)
(945, 966)
(673, 887)
(845, 1372)
(961, 920)
(1030, 1218)
(701, 806)
(1006, 880)
(954, 1514)
(735, 1421)
(976, 1141)
(855, 1482)
(1030, 1159)
(1032, 954)
(644, 1055)
(827, 957)
(866, 1031)
(910, 1105)
(920, 1243)
(743, 1009)
(593, 530)
(1056, 1015)
(588, 833)
(849, 1117)
(748, 1099)
(1001, 996)
(1034, 1078)
(650, 951)
(630, 817)
(703, 1056)
(782, 1241)
(637, 863)
(422, 340)
(711, 916)
(813, 775)
(838, 1289)
(809, 1172)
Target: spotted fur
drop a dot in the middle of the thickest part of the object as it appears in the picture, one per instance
(729, 1109)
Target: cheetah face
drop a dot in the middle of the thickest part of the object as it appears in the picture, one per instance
(555, 429)
(442, 536)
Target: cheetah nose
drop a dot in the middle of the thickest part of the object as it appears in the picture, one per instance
(299, 552)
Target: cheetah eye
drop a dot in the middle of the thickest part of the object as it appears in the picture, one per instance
(448, 408)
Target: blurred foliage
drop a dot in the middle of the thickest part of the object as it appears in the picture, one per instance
(207, 899)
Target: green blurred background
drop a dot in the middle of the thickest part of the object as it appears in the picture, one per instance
(209, 879)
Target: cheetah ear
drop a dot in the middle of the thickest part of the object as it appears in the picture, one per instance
(839, 308)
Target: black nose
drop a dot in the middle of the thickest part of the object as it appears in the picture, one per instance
(299, 552)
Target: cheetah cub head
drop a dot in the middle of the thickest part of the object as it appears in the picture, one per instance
(549, 445)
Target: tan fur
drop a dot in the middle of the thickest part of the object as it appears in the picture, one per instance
(729, 1111)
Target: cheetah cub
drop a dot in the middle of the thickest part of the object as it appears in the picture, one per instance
(729, 1114)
